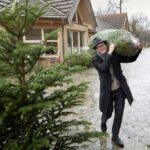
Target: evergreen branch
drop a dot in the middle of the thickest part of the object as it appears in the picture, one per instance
(70, 141)
(31, 115)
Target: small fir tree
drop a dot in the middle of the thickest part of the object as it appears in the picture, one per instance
(30, 117)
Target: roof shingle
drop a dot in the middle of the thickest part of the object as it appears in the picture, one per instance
(64, 6)
(57, 8)
(4, 3)
(116, 20)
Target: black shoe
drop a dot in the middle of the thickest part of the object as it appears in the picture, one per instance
(103, 127)
(118, 141)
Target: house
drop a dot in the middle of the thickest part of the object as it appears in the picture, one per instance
(74, 19)
(112, 21)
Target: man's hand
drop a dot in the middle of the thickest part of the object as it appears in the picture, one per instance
(111, 48)
(140, 46)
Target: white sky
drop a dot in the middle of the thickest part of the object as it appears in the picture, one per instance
(131, 6)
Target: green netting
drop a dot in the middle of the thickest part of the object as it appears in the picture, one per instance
(125, 43)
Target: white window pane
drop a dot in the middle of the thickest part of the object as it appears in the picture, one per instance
(81, 39)
(53, 36)
(75, 39)
(34, 34)
(69, 37)
(52, 48)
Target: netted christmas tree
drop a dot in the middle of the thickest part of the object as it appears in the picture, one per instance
(126, 44)
(31, 118)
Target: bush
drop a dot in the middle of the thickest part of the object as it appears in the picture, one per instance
(82, 59)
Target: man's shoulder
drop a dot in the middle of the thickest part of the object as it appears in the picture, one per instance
(95, 58)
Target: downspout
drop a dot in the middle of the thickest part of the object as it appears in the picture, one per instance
(63, 43)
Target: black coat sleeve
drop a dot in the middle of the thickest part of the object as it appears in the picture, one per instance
(125, 59)
(100, 64)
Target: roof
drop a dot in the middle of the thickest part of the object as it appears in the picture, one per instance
(69, 8)
(115, 20)
(53, 12)
(102, 25)
(64, 6)
(4, 3)
(57, 8)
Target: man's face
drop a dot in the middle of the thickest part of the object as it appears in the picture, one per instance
(101, 48)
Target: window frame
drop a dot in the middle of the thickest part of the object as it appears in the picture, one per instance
(42, 39)
(79, 48)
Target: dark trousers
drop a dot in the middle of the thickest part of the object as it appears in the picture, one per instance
(117, 102)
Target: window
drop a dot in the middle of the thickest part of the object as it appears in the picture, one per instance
(81, 41)
(51, 48)
(36, 36)
(75, 41)
(48, 31)
(52, 42)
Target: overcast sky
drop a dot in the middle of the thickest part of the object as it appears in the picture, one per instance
(130, 6)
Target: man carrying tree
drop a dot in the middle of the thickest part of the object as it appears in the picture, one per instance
(113, 85)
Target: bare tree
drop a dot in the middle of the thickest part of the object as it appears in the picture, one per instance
(120, 5)
(139, 26)
(109, 9)
(113, 6)
(135, 26)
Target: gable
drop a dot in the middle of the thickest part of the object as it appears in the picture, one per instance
(86, 13)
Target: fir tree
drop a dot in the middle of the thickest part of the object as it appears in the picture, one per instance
(30, 117)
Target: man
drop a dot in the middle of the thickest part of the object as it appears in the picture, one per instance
(113, 85)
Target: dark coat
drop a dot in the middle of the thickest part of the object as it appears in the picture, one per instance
(102, 65)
